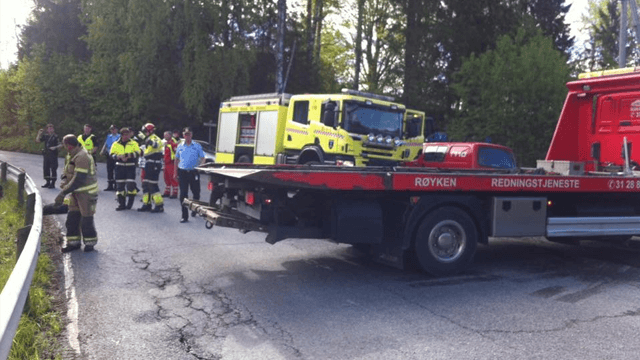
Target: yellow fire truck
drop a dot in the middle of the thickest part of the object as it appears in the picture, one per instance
(352, 128)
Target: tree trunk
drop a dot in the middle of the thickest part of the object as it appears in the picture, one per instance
(411, 52)
(318, 23)
(282, 15)
(310, 32)
(358, 44)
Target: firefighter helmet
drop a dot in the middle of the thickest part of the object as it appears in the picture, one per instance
(148, 127)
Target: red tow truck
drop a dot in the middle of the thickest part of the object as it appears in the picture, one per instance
(585, 188)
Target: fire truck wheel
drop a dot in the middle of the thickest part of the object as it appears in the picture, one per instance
(446, 241)
(244, 159)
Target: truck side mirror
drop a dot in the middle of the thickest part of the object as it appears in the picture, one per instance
(429, 126)
(329, 114)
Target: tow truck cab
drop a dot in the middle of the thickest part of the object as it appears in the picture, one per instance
(600, 113)
(464, 155)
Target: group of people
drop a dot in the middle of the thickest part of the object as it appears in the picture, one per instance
(176, 158)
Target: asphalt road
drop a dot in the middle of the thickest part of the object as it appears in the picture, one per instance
(158, 289)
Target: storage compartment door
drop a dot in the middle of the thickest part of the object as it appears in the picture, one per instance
(266, 133)
(519, 216)
(227, 132)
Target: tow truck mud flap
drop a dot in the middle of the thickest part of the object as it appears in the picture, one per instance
(357, 222)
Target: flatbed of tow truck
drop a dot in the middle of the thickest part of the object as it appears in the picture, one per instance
(584, 188)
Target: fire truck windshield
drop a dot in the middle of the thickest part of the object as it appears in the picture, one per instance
(361, 118)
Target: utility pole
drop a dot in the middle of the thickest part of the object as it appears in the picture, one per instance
(622, 36)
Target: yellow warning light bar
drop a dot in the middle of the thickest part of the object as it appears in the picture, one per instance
(620, 71)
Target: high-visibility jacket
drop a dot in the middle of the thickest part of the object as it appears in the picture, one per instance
(88, 142)
(153, 147)
(80, 173)
(130, 149)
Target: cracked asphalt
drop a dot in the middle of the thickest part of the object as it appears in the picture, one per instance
(158, 289)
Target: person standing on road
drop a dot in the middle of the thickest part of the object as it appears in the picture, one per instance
(89, 141)
(152, 166)
(111, 163)
(50, 154)
(81, 182)
(189, 155)
(125, 152)
(171, 184)
(176, 136)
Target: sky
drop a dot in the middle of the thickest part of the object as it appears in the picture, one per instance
(15, 13)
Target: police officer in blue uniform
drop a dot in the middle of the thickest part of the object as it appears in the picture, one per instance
(189, 155)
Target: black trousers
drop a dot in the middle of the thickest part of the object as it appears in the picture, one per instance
(111, 166)
(126, 180)
(50, 167)
(188, 179)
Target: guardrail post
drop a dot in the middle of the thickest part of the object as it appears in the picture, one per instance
(21, 179)
(3, 171)
(21, 241)
(29, 212)
(23, 234)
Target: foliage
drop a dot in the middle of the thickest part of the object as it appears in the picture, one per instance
(602, 47)
(440, 34)
(513, 95)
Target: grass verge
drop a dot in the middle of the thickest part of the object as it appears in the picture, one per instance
(40, 326)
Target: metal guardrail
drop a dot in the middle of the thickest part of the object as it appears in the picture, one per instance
(16, 291)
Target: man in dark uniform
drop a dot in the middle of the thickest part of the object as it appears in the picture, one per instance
(50, 153)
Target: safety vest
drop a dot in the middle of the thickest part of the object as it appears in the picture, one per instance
(87, 143)
(131, 149)
(169, 150)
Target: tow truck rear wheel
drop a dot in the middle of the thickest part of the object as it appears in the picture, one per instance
(446, 241)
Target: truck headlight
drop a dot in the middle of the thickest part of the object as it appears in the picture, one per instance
(371, 138)
(388, 140)
(380, 138)
(397, 142)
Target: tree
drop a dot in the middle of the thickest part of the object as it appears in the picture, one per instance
(549, 15)
(512, 94)
(57, 25)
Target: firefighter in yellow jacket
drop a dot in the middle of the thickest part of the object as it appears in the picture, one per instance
(153, 152)
(126, 153)
(79, 181)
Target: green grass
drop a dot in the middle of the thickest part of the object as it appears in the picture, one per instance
(40, 324)
(21, 143)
